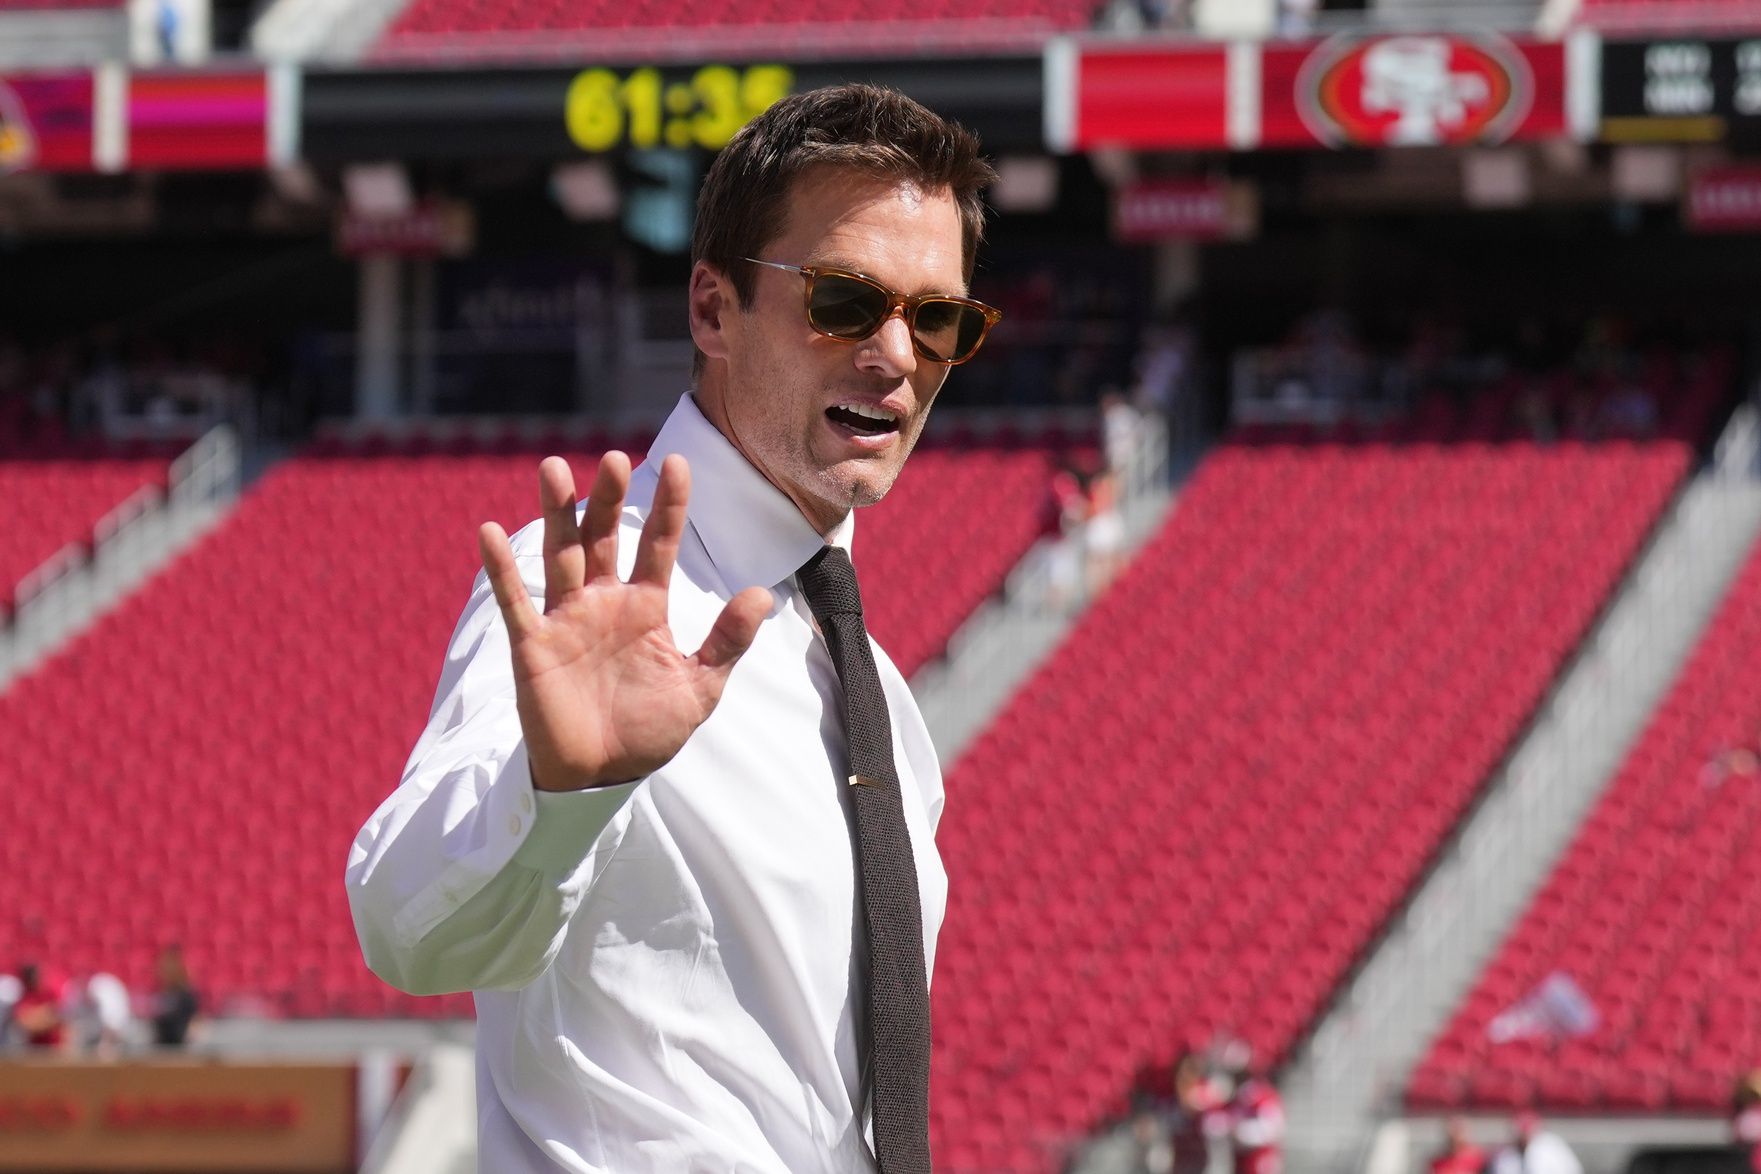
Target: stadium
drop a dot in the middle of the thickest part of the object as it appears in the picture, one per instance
(1334, 593)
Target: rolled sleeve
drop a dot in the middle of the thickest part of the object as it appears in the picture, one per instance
(466, 876)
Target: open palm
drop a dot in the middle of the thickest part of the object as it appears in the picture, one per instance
(604, 695)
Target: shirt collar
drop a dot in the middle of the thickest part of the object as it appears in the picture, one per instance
(755, 535)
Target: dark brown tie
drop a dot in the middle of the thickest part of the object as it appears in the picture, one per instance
(897, 994)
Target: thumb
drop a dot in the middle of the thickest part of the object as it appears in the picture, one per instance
(733, 633)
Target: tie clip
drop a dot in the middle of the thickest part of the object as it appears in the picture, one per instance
(862, 781)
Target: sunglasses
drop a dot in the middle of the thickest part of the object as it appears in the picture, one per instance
(851, 307)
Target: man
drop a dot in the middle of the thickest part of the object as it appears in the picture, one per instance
(697, 896)
(1535, 1151)
(37, 1009)
(1255, 1113)
(1460, 1155)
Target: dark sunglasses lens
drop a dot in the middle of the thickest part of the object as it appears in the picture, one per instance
(845, 308)
(948, 331)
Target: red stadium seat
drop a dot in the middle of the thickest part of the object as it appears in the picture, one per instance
(1197, 815)
(1654, 909)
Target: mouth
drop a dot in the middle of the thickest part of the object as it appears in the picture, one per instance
(863, 419)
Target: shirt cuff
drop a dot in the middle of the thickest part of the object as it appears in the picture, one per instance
(559, 826)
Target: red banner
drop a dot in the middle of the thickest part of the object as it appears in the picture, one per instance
(46, 122)
(1431, 89)
(1172, 209)
(430, 229)
(1152, 98)
(198, 120)
(1724, 199)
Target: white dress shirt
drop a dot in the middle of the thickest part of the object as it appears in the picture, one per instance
(663, 969)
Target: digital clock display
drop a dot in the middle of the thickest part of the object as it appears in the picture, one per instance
(606, 109)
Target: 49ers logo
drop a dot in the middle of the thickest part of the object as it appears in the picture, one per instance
(1413, 90)
(18, 146)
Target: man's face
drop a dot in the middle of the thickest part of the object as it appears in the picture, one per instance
(788, 391)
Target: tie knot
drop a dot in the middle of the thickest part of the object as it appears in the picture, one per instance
(828, 580)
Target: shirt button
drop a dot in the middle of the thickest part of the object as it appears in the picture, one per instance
(526, 803)
(514, 824)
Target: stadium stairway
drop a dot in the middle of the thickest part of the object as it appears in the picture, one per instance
(1004, 640)
(132, 542)
(1354, 1066)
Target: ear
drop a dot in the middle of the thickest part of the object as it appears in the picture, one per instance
(712, 301)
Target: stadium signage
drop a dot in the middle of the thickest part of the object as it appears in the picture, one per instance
(1177, 209)
(606, 109)
(46, 123)
(1411, 90)
(1685, 89)
(178, 1114)
(548, 113)
(1724, 199)
(1390, 90)
(432, 228)
(1414, 90)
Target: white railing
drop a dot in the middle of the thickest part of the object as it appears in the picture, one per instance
(72, 587)
(1360, 1056)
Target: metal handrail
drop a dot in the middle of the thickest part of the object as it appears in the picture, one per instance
(130, 540)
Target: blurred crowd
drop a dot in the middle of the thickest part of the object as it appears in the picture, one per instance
(111, 389)
(97, 1015)
(1219, 1108)
(1083, 506)
(1588, 380)
(1532, 1149)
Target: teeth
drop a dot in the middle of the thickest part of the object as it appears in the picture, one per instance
(868, 413)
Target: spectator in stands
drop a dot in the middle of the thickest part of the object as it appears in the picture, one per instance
(10, 989)
(1164, 368)
(1629, 411)
(1153, 1151)
(1535, 1150)
(1746, 1118)
(645, 866)
(1535, 413)
(175, 1003)
(100, 1017)
(1120, 429)
(1065, 513)
(1460, 1155)
(1195, 1098)
(1103, 534)
(37, 1012)
(1256, 1117)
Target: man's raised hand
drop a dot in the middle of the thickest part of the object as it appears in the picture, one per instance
(604, 694)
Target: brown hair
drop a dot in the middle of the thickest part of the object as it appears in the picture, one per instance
(867, 129)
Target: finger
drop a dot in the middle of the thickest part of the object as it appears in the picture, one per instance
(733, 634)
(504, 579)
(658, 548)
(564, 560)
(605, 505)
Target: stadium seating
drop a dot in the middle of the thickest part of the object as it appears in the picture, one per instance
(194, 766)
(451, 28)
(55, 503)
(1199, 812)
(1654, 911)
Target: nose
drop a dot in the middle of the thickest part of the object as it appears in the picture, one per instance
(888, 350)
